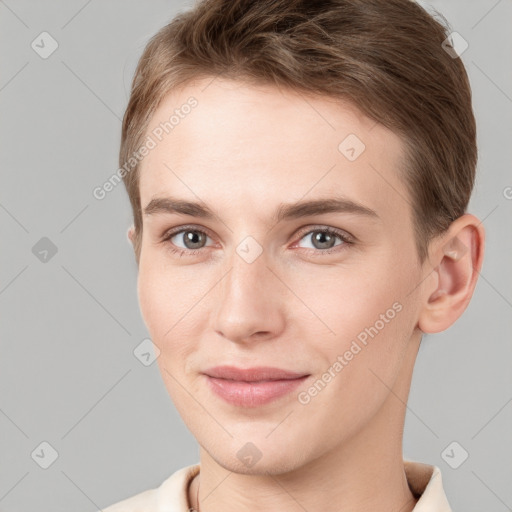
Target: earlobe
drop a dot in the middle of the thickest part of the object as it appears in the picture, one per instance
(459, 257)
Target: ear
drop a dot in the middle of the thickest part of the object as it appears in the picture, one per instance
(131, 233)
(457, 258)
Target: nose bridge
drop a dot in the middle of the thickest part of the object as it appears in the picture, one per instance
(247, 261)
(246, 279)
(247, 300)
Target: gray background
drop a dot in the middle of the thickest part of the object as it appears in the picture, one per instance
(68, 374)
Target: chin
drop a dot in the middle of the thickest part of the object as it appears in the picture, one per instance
(259, 457)
(269, 466)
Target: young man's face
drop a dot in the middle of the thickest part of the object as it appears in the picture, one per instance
(250, 290)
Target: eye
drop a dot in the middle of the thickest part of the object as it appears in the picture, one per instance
(186, 240)
(324, 239)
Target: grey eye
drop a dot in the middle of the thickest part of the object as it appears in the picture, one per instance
(191, 238)
(322, 239)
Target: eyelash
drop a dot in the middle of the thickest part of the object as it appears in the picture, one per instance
(345, 238)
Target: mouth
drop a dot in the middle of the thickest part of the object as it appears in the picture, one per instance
(252, 387)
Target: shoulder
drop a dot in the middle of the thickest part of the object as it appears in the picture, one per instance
(171, 492)
(137, 503)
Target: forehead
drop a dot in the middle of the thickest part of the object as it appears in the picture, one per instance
(223, 139)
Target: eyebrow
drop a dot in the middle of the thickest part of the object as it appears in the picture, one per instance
(285, 211)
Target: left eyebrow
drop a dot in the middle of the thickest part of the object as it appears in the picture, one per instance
(319, 206)
(285, 211)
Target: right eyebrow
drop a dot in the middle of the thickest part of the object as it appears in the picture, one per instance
(172, 205)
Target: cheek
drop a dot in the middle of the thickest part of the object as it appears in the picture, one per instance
(162, 298)
(345, 300)
(172, 302)
(153, 302)
(365, 321)
(362, 360)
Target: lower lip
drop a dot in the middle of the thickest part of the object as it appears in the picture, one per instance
(252, 394)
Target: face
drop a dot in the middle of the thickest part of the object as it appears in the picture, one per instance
(324, 290)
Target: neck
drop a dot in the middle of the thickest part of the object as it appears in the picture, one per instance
(364, 473)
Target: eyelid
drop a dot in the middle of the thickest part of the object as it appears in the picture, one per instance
(168, 234)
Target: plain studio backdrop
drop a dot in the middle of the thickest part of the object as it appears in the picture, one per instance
(83, 421)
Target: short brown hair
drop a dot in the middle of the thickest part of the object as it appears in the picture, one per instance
(384, 56)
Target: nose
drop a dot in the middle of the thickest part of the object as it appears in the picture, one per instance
(249, 302)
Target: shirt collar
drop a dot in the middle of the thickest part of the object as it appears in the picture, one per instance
(424, 481)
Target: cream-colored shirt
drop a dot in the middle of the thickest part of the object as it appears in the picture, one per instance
(172, 496)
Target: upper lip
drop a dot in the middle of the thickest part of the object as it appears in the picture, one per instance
(255, 374)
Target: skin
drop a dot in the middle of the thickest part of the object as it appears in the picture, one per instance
(242, 151)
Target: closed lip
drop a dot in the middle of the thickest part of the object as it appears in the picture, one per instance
(254, 374)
